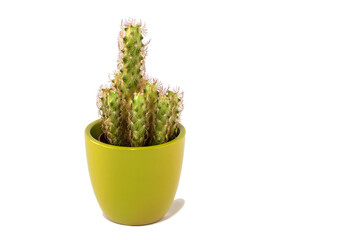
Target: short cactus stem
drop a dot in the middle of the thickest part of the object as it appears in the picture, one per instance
(125, 109)
(151, 96)
(110, 108)
(162, 117)
(173, 115)
(137, 122)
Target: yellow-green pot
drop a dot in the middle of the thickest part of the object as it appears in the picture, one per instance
(134, 185)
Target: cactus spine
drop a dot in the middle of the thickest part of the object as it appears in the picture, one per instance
(135, 111)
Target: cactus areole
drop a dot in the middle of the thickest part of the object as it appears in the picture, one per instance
(137, 110)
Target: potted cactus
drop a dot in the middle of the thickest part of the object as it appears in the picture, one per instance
(135, 150)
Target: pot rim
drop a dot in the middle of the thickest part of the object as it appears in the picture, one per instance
(97, 142)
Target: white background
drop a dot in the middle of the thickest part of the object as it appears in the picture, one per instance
(271, 113)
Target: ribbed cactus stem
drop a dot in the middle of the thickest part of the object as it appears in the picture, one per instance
(137, 121)
(103, 110)
(125, 108)
(173, 115)
(162, 117)
(111, 115)
(151, 96)
(101, 102)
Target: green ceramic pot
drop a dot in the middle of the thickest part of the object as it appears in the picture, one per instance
(134, 185)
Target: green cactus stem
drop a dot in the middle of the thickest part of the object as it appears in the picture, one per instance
(101, 102)
(110, 123)
(162, 117)
(103, 108)
(125, 109)
(131, 62)
(151, 96)
(173, 116)
(137, 121)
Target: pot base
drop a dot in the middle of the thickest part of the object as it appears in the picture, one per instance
(131, 224)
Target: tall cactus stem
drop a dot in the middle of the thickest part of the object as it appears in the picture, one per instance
(132, 52)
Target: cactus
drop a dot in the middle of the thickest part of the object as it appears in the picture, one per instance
(134, 110)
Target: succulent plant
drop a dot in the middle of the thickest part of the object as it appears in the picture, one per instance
(136, 110)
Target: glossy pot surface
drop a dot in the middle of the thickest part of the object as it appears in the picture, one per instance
(134, 185)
